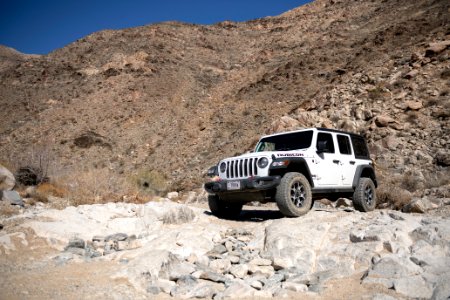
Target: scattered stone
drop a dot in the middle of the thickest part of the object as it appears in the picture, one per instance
(344, 202)
(239, 271)
(239, 289)
(442, 158)
(296, 287)
(13, 198)
(220, 265)
(414, 105)
(91, 138)
(172, 195)
(154, 290)
(413, 286)
(7, 180)
(260, 262)
(383, 121)
(179, 270)
(436, 48)
(178, 215)
(256, 284)
(360, 236)
(415, 206)
(116, 237)
(76, 243)
(187, 280)
(411, 74)
(213, 276)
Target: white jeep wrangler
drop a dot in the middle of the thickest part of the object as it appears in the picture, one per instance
(292, 168)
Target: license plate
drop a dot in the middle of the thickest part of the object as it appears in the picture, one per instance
(233, 185)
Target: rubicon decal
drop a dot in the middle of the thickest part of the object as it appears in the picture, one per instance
(290, 154)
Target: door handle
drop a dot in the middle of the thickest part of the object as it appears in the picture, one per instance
(352, 162)
(336, 161)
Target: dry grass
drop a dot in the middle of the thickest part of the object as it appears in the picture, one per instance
(392, 196)
(93, 186)
(8, 210)
(44, 190)
(151, 182)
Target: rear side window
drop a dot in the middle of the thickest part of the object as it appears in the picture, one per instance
(360, 147)
(344, 144)
(328, 139)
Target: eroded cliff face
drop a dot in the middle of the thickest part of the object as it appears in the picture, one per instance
(174, 98)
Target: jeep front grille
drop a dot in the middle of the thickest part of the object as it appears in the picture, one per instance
(242, 168)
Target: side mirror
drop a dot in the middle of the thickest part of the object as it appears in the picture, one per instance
(322, 146)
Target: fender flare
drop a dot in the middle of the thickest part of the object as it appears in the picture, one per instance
(293, 160)
(364, 168)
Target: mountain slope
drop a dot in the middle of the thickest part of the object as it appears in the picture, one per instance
(175, 98)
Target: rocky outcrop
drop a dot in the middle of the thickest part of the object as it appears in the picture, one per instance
(7, 180)
(203, 257)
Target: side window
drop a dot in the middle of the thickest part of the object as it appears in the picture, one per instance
(328, 140)
(360, 147)
(344, 144)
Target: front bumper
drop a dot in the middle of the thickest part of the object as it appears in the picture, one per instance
(251, 184)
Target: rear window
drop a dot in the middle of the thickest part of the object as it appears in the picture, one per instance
(360, 147)
(344, 144)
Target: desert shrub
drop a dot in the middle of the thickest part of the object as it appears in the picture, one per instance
(409, 182)
(392, 196)
(377, 93)
(44, 190)
(151, 182)
(88, 186)
(437, 179)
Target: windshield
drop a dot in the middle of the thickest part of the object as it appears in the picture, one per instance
(286, 142)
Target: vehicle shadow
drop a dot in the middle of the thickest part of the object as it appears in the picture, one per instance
(254, 215)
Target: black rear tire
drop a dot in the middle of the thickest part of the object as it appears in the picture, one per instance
(364, 197)
(293, 196)
(223, 209)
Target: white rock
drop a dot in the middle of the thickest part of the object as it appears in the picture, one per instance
(239, 271)
(7, 180)
(296, 287)
(172, 195)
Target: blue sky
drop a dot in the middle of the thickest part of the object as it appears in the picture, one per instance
(40, 26)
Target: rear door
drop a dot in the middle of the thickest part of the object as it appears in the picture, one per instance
(347, 160)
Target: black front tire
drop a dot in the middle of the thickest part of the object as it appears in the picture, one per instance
(364, 197)
(223, 209)
(293, 196)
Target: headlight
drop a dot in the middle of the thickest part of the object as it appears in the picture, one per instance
(223, 167)
(212, 171)
(263, 162)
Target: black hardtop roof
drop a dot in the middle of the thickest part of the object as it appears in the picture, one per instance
(340, 131)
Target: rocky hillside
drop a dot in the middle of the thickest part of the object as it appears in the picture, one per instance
(169, 100)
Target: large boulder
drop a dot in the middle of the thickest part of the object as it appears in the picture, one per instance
(7, 180)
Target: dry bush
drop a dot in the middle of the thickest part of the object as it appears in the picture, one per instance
(409, 182)
(8, 210)
(46, 189)
(151, 182)
(437, 179)
(392, 196)
(98, 186)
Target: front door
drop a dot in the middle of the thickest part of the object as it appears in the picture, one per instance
(328, 163)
